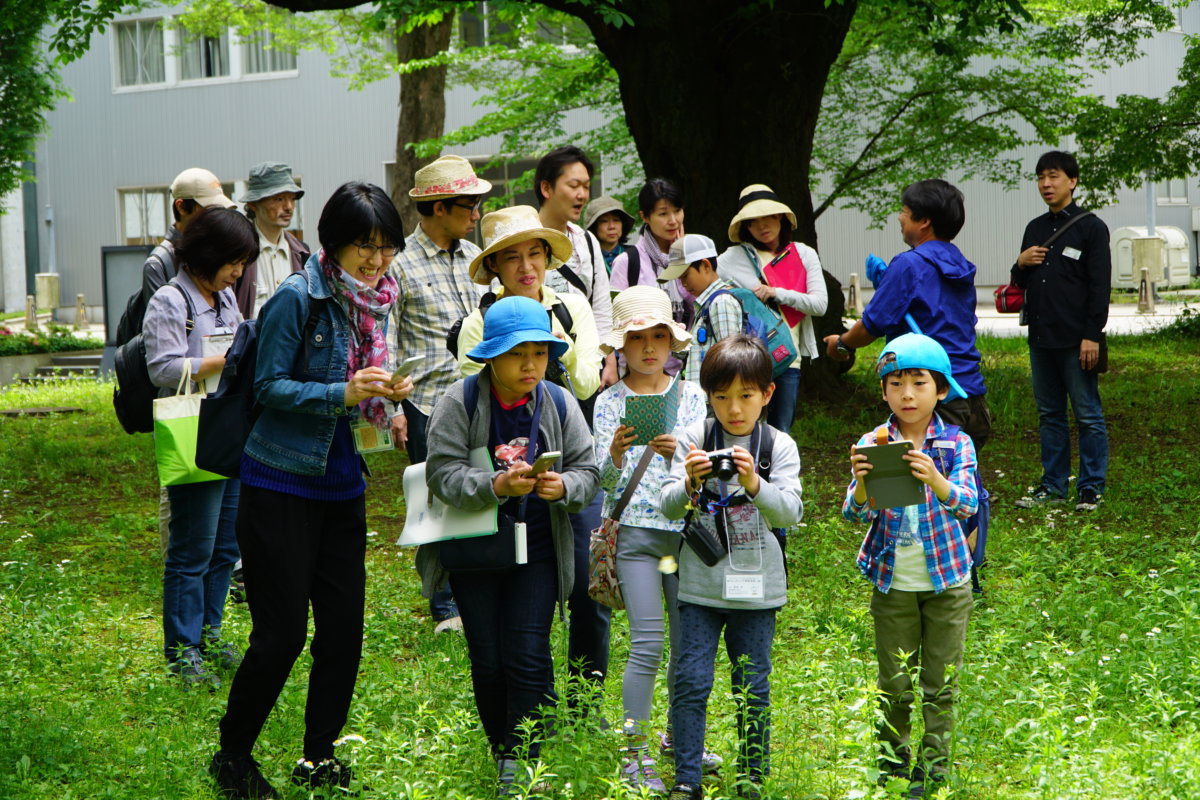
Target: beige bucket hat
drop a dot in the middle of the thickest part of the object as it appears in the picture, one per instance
(510, 226)
(638, 308)
(757, 200)
(449, 176)
(605, 205)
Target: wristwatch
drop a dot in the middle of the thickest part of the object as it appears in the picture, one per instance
(841, 346)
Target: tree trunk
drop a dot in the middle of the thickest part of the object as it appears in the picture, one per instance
(422, 109)
(719, 94)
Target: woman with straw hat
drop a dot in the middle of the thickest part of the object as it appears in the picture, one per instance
(785, 274)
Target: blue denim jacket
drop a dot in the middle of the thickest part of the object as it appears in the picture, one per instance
(300, 378)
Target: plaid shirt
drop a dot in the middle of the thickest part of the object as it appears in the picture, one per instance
(726, 318)
(434, 292)
(946, 551)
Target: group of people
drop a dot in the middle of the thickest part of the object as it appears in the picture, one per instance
(531, 347)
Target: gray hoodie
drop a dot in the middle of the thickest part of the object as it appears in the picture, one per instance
(754, 550)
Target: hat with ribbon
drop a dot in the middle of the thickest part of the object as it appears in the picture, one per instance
(510, 226)
(448, 176)
(269, 179)
(639, 308)
(757, 200)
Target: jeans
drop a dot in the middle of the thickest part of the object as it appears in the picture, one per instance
(1056, 377)
(646, 591)
(590, 622)
(933, 628)
(200, 557)
(298, 552)
(781, 411)
(506, 618)
(441, 604)
(748, 637)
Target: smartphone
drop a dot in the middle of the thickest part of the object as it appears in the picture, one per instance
(406, 367)
(544, 462)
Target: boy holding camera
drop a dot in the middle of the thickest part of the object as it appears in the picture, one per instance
(918, 558)
(740, 494)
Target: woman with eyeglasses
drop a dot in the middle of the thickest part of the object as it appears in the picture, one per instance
(323, 386)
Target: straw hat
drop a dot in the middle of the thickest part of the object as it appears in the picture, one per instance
(757, 200)
(606, 205)
(449, 176)
(639, 308)
(510, 226)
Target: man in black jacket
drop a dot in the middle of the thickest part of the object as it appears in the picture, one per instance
(1066, 306)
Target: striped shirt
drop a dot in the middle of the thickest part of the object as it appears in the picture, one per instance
(725, 318)
(947, 554)
(434, 291)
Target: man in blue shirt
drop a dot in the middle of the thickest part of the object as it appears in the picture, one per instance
(931, 286)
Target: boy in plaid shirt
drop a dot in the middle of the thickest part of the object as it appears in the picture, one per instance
(918, 559)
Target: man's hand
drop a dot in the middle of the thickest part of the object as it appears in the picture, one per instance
(400, 431)
(1089, 354)
(831, 349)
(1031, 257)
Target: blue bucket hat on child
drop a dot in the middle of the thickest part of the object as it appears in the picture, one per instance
(916, 351)
(512, 321)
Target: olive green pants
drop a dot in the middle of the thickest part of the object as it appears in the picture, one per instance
(930, 629)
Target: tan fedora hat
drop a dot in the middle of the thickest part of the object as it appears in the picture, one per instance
(757, 200)
(449, 176)
(638, 308)
(510, 226)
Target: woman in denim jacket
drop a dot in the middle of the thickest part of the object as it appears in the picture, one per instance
(322, 385)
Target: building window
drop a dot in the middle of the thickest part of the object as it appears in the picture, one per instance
(140, 52)
(203, 57)
(146, 212)
(261, 55)
(1171, 192)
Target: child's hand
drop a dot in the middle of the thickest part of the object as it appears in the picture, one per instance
(664, 445)
(697, 466)
(550, 486)
(621, 442)
(859, 467)
(513, 482)
(747, 474)
(924, 470)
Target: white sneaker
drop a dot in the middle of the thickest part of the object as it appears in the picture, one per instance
(449, 624)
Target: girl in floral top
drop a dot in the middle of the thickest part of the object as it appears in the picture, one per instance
(648, 542)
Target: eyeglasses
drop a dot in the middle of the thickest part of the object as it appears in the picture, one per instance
(368, 251)
(469, 206)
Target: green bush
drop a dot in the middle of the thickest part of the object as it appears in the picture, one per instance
(56, 339)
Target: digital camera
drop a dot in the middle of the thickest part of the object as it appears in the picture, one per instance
(723, 466)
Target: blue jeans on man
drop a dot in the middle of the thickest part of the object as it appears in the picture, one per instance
(201, 552)
(441, 604)
(781, 411)
(1058, 376)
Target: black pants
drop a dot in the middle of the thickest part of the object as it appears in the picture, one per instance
(296, 552)
(972, 414)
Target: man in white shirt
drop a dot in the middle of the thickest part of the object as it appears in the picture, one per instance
(270, 201)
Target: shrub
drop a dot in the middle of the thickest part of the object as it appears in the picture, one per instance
(55, 339)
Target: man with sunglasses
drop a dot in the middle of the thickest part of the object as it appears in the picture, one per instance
(434, 291)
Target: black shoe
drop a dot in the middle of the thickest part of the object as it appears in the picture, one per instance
(328, 773)
(923, 783)
(189, 666)
(686, 791)
(1089, 499)
(894, 766)
(1041, 496)
(237, 584)
(239, 778)
(222, 655)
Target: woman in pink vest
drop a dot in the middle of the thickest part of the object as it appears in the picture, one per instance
(784, 274)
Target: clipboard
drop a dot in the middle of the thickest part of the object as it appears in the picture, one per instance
(890, 483)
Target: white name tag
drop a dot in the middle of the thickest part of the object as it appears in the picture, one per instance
(1071, 252)
(943, 443)
(743, 587)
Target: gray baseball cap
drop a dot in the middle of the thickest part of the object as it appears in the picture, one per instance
(267, 179)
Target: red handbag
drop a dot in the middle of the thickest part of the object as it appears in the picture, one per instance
(1010, 298)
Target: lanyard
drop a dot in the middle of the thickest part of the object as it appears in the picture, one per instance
(531, 448)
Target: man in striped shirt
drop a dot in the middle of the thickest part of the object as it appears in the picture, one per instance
(434, 291)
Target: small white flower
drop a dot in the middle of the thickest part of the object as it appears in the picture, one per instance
(1082, 718)
(667, 565)
(1124, 637)
(1152, 573)
(1070, 652)
(350, 737)
(1046, 615)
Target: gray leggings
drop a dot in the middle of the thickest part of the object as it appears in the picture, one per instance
(644, 589)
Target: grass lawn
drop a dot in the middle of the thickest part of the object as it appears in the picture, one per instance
(1081, 678)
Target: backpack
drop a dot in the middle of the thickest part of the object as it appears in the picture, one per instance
(229, 413)
(133, 399)
(977, 523)
(763, 324)
(766, 446)
(471, 398)
(135, 308)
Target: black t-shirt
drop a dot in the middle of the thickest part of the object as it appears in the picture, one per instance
(509, 424)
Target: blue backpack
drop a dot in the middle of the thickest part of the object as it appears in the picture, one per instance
(762, 323)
